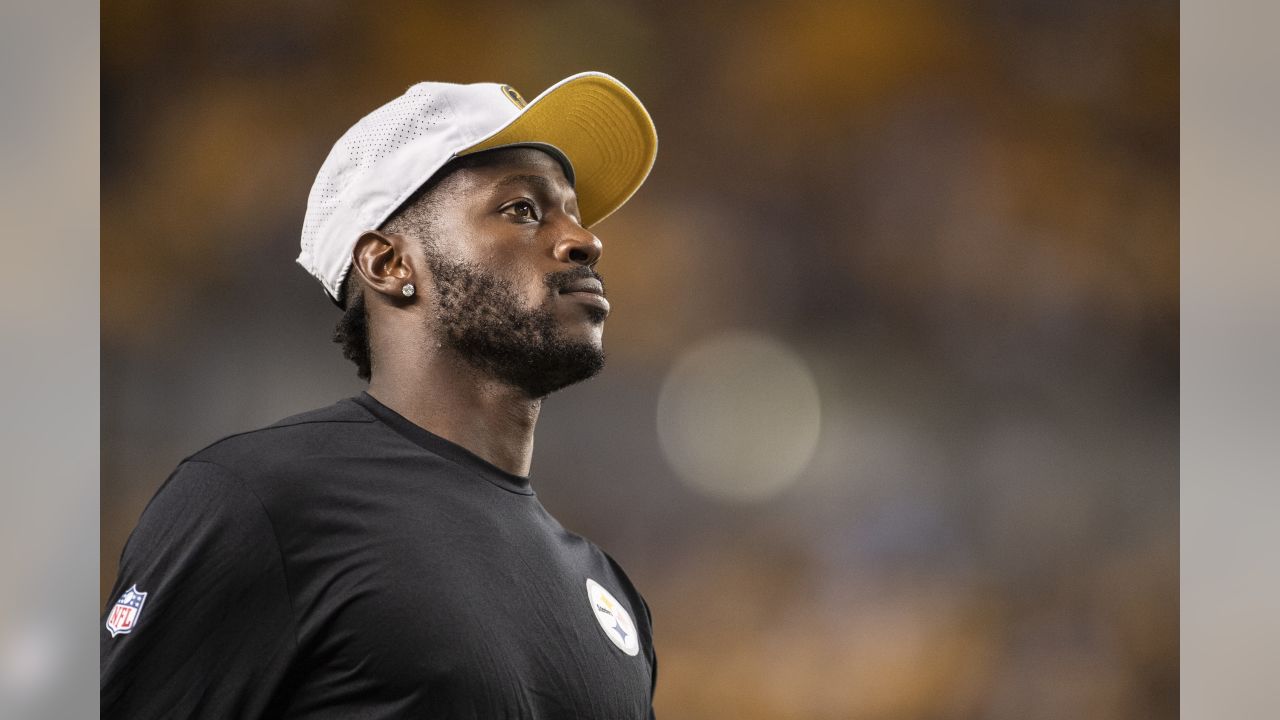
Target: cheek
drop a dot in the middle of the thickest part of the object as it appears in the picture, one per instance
(520, 274)
(534, 289)
(526, 282)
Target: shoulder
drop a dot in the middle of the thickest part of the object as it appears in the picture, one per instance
(629, 587)
(201, 500)
(287, 442)
(230, 491)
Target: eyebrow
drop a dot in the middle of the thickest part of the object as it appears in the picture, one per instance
(538, 181)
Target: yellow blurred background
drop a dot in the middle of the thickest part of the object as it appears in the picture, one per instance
(889, 427)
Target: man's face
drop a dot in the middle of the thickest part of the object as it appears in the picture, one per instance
(517, 293)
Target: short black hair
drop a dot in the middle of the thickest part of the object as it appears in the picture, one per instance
(352, 331)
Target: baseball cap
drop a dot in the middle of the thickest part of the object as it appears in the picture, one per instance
(590, 121)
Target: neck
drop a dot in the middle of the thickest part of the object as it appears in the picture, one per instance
(452, 399)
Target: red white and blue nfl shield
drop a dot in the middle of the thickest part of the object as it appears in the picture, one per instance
(126, 611)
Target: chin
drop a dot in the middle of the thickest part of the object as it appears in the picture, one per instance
(591, 334)
(569, 363)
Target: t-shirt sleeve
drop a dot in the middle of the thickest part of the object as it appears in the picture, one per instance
(653, 656)
(200, 622)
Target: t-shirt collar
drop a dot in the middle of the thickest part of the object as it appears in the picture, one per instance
(444, 448)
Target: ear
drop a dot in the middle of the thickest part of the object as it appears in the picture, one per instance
(384, 262)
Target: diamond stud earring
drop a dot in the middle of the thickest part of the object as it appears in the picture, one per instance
(408, 290)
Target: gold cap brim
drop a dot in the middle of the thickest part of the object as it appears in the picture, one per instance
(600, 126)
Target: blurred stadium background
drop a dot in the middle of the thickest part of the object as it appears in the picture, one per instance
(889, 428)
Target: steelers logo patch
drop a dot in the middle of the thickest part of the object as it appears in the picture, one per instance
(513, 96)
(613, 618)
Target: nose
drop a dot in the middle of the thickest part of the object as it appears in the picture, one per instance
(577, 245)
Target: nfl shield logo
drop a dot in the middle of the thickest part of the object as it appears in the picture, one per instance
(125, 613)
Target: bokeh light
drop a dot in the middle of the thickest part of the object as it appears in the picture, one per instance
(739, 416)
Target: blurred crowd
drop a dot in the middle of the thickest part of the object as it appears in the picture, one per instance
(962, 219)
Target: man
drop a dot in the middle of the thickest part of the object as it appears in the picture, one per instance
(386, 557)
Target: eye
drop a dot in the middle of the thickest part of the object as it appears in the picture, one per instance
(522, 210)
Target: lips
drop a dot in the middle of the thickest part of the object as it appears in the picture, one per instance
(584, 285)
(588, 291)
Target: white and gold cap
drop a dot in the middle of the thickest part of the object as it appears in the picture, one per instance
(590, 120)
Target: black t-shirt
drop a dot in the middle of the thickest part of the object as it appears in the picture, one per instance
(346, 563)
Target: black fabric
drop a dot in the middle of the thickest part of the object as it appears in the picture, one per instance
(346, 563)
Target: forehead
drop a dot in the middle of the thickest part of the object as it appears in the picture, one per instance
(498, 167)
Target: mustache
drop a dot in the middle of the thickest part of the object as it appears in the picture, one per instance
(557, 281)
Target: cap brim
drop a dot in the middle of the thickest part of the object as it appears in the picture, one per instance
(600, 126)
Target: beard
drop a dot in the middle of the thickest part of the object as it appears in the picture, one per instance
(481, 318)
